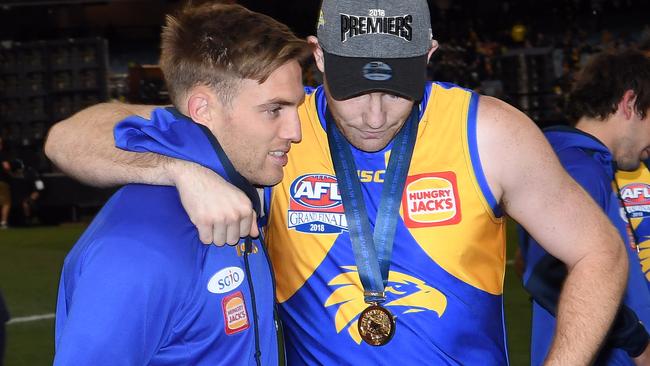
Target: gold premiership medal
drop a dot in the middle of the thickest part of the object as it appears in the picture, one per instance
(376, 325)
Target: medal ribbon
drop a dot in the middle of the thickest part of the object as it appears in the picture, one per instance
(372, 250)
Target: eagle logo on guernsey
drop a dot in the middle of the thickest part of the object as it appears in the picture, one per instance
(431, 200)
(315, 205)
(405, 295)
(636, 197)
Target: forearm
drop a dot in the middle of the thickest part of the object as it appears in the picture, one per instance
(83, 147)
(588, 303)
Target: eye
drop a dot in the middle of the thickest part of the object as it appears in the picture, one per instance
(274, 112)
(395, 289)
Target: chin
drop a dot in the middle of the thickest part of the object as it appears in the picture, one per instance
(371, 147)
(629, 166)
(266, 179)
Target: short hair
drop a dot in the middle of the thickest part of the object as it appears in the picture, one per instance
(603, 81)
(218, 45)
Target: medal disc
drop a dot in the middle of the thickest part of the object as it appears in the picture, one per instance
(376, 325)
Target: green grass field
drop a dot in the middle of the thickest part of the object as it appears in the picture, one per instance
(30, 263)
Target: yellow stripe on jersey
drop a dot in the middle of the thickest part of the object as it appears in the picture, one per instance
(473, 249)
(635, 193)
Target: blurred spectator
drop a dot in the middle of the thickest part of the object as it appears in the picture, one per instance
(5, 192)
(26, 189)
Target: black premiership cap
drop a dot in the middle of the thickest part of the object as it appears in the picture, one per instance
(379, 45)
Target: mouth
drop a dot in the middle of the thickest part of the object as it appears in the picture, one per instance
(373, 134)
(279, 156)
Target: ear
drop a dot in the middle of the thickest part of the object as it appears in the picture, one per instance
(434, 47)
(626, 105)
(318, 53)
(198, 105)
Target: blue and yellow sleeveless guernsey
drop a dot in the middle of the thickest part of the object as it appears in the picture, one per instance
(446, 275)
(635, 193)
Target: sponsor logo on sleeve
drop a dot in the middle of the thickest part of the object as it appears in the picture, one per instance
(431, 200)
(315, 205)
(226, 280)
(235, 313)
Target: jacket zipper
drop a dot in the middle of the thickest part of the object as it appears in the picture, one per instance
(247, 250)
(279, 329)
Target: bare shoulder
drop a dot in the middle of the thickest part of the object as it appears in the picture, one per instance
(510, 145)
(496, 117)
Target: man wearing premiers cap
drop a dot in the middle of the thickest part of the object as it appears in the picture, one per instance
(387, 232)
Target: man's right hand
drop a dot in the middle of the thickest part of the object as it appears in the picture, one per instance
(221, 212)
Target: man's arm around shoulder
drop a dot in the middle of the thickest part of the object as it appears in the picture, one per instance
(84, 148)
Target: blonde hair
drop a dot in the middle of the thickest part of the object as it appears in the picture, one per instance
(217, 45)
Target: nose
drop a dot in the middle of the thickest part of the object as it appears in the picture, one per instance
(374, 116)
(290, 130)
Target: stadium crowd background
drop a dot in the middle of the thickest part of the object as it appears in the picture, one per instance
(522, 51)
(525, 52)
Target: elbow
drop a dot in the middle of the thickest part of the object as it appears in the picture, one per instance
(617, 266)
(52, 144)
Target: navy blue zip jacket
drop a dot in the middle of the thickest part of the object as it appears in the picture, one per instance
(590, 163)
(139, 288)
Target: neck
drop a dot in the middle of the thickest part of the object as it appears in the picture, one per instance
(604, 130)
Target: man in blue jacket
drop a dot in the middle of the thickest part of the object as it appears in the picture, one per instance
(610, 107)
(139, 288)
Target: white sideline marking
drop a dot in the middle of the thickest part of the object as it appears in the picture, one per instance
(31, 318)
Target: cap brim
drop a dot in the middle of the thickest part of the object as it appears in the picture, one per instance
(348, 77)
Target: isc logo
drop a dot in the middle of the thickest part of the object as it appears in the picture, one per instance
(367, 176)
(636, 194)
(316, 191)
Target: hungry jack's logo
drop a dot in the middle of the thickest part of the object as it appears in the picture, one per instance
(235, 313)
(431, 200)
